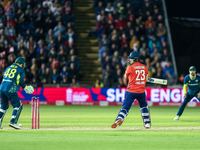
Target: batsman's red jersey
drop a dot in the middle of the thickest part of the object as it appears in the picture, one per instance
(136, 74)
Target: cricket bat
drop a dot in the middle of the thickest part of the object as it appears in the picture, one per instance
(157, 81)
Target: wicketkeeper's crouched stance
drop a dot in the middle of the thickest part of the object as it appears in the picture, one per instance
(137, 74)
(12, 79)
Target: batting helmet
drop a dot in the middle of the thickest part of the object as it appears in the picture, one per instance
(134, 55)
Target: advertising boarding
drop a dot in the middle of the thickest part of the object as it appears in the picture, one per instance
(103, 96)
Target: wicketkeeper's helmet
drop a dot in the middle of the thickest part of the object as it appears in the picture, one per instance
(21, 60)
(134, 55)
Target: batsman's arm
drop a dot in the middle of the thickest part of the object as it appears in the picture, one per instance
(125, 79)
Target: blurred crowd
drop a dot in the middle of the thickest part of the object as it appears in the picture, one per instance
(124, 26)
(42, 32)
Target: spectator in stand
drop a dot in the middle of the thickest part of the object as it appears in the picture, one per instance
(153, 43)
(58, 42)
(99, 8)
(42, 69)
(150, 21)
(64, 81)
(4, 41)
(49, 36)
(159, 20)
(41, 56)
(155, 54)
(101, 26)
(158, 75)
(46, 77)
(64, 72)
(11, 37)
(8, 4)
(58, 29)
(9, 28)
(74, 83)
(72, 73)
(52, 53)
(113, 49)
(150, 31)
(55, 77)
(67, 17)
(148, 7)
(181, 79)
(151, 69)
(169, 78)
(105, 62)
(125, 49)
(158, 66)
(62, 56)
(31, 43)
(48, 3)
(115, 61)
(133, 41)
(144, 48)
(107, 76)
(110, 18)
(101, 52)
(70, 35)
(109, 8)
(169, 69)
(120, 22)
(74, 61)
(67, 6)
(50, 45)
(156, 13)
(161, 30)
(103, 42)
(124, 59)
(143, 57)
(165, 55)
(98, 83)
(55, 9)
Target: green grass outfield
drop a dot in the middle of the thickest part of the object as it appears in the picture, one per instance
(88, 128)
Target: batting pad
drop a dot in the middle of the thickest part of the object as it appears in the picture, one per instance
(145, 115)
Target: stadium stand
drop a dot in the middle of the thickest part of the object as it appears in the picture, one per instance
(41, 32)
(132, 25)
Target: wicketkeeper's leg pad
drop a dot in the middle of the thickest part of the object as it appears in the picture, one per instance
(145, 115)
(16, 113)
(2, 113)
(122, 114)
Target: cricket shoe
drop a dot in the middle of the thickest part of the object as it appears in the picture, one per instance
(117, 123)
(1, 127)
(177, 117)
(147, 125)
(15, 126)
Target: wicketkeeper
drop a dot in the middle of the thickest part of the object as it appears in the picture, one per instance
(12, 79)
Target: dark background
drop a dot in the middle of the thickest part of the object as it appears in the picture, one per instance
(185, 35)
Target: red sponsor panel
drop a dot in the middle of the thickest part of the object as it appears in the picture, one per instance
(103, 96)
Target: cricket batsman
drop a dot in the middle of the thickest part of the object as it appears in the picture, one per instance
(137, 75)
(12, 79)
(192, 82)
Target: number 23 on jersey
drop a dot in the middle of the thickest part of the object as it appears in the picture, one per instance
(140, 75)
